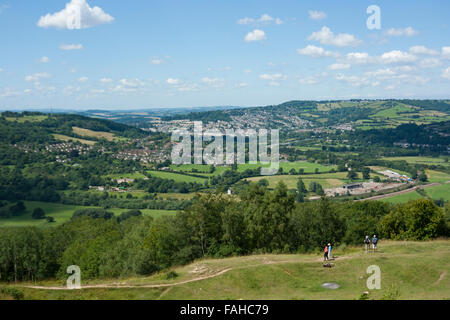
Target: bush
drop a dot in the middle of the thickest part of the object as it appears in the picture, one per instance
(15, 293)
(171, 275)
(93, 213)
(38, 213)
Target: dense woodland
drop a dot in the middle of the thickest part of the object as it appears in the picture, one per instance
(215, 225)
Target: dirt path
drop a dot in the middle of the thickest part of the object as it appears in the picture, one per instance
(119, 285)
(440, 278)
(169, 285)
(400, 192)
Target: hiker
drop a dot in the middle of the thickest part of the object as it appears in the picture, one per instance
(374, 243)
(367, 243)
(330, 255)
(325, 254)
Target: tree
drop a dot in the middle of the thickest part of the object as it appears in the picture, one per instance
(366, 173)
(416, 220)
(376, 179)
(423, 177)
(18, 208)
(263, 183)
(38, 213)
(301, 186)
(292, 172)
(352, 175)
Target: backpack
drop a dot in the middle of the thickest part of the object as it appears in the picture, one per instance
(367, 241)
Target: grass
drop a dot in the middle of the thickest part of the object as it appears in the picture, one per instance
(62, 213)
(402, 198)
(419, 160)
(291, 181)
(437, 176)
(94, 134)
(176, 176)
(67, 138)
(134, 175)
(308, 167)
(434, 192)
(27, 118)
(409, 270)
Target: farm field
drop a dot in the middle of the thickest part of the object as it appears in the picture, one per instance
(67, 138)
(176, 176)
(420, 160)
(437, 176)
(37, 118)
(434, 192)
(62, 213)
(410, 270)
(94, 134)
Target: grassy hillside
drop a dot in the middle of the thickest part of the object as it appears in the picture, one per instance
(409, 270)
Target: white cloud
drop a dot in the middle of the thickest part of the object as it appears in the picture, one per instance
(247, 70)
(8, 92)
(354, 80)
(339, 66)
(133, 83)
(1, 70)
(446, 73)
(326, 36)
(76, 15)
(71, 47)
(359, 58)
(37, 76)
(45, 59)
(430, 63)
(157, 61)
(408, 32)
(317, 15)
(241, 85)
(246, 20)
(397, 56)
(173, 81)
(97, 91)
(445, 52)
(106, 80)
(423, 50)
(214, 82)
(83, 79)
(263, 20)
(315, 52)
(308, 80)
(272, 77)
(255, 35)
(70, 90)
(381, 74)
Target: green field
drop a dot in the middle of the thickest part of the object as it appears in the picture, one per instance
(420, 160)
(434, 192)
(62, 213)
(409, 270)
(437, 176)
(37, 118)
(308, 167)
(67, 138)
(176, 176)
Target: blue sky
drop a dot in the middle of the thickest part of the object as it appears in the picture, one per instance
(146, 54)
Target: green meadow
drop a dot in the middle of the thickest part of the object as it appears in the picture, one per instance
(62, 213)
(409, 271)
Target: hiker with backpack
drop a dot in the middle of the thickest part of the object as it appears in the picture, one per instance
(367, 243)
(374, 243)
(325, 253)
